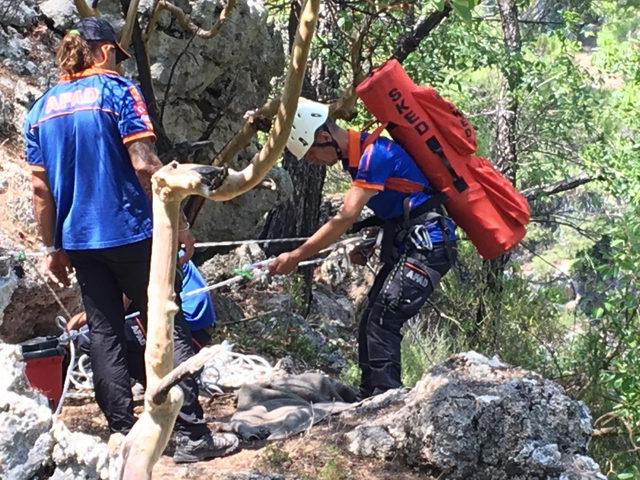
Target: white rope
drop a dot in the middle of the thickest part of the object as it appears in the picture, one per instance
(81, 378)
(51, 290)
(226, 369)
(17, 254)
(67, 337)
(229, 369)
(256, 269)
(248, 242)
(230, 281)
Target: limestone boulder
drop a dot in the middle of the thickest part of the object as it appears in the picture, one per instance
(25, 421)
(32, 443)
(77, 455)
(474, 417)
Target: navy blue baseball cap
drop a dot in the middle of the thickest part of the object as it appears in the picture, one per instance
(96, 29)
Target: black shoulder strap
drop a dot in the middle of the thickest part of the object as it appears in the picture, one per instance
(458, 181)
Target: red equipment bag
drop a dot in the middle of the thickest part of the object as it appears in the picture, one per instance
(442, 142)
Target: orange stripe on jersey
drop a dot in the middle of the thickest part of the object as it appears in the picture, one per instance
(367, 185)
(138, 136)
(403, 185)
(87, 73)
(140, 107)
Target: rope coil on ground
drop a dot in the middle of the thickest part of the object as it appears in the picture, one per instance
(227, 369)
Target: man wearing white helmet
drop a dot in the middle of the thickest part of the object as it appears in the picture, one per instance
(418, 245)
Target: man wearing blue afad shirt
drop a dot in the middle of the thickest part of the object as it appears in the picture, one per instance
(418, 245)
(89, 142)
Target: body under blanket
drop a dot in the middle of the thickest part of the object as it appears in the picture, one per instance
(288, 405)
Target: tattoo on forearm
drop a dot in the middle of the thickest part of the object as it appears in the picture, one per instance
(145, 162)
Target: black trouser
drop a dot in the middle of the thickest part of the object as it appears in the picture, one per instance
(104, 276)
(398, 293)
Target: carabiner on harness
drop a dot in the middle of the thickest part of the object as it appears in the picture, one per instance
(419, 237)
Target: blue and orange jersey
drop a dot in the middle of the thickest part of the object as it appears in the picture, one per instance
(78, 132)
(386, 167)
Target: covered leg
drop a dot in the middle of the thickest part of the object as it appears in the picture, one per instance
(403, 293)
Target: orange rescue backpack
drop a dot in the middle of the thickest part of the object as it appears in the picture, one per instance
(443, 143)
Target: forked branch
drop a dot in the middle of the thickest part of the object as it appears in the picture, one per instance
(185, 22)
(171, 184)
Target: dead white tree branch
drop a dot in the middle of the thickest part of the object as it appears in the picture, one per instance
(185, 369)
(185, 22)
(145, 443)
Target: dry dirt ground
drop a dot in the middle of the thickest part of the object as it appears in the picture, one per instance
(317, 454)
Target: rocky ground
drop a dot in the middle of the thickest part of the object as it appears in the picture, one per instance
(469, 417)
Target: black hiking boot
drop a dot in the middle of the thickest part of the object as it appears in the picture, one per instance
(206, 447)
(378, 391)
(363, 395)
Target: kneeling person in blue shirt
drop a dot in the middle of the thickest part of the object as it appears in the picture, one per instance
(199, 313)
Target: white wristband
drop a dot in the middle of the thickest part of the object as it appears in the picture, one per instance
(48, 250)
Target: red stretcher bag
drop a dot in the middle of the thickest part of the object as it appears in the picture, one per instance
(443, 143)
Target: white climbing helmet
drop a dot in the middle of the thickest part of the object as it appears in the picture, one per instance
(309, 116)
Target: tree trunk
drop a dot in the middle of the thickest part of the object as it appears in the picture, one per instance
(144, 444)
(163, 144)
(507, 116)
(506, 156)
(299, 216)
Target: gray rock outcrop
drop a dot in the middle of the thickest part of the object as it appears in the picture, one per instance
(474, 417)
(25, 421)
(32, 443)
